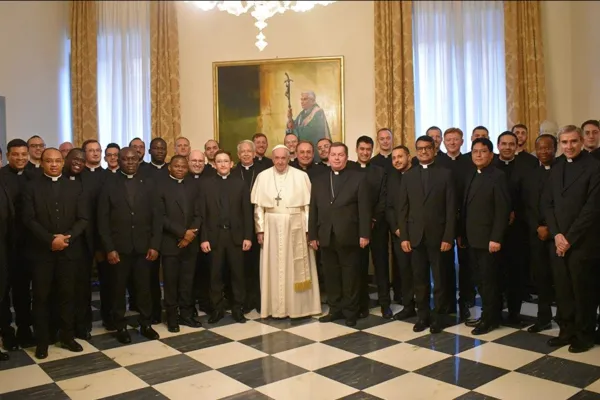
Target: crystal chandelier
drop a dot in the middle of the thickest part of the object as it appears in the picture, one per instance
(260, 10)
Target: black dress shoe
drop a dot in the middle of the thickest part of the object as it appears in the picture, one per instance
(149, 333)
(464, 313)
(350, 321)
(123, 336)
(387, 313)
(435, 327)
(239, 317)
(331, 317)
(558, 342)
(4, 356)
(9, 341)
(84, 336)
(406, 313)
(539, 326)
(471, 323)
(109, 326)
(420, 326)
(215, 317)
(41, 352)
(363, 314)
(192, 322)
(483, 327)
(579, 347)
(173, 328)
(71, 345)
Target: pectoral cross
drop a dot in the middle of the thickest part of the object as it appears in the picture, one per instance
(277, 198)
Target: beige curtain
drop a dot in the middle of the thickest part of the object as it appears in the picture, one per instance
(394, 77)
(83, 61)
(525, 77)
(164, 37)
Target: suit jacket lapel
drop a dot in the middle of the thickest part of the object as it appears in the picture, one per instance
(49, 197)
(343, 177)
(474, 186)
(579, 170)
(432, 182)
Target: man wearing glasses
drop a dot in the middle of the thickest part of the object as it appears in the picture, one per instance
(111, 156)
(35, 146)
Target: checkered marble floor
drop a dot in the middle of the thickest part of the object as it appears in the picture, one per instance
(304, 359)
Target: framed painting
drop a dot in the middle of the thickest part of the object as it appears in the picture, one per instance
(304, 96)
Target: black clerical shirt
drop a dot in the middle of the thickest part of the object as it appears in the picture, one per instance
(223, 187)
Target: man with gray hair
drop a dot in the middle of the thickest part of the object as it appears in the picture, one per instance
(311, 123)
(570, 206)
(281, 198)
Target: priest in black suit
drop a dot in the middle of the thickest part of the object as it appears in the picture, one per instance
(180, 205)
(261, 144)
(226, 234)
(340, 225)
(484, 217)
(521, 132)
(378, 246)
(130, 226)
(570, 206)
(305, 160)
(427, 219)
(538, 232)
(402, 274)
(7, 216)
(385, 141)
(36, 146)
(55, 211)
(247, 170)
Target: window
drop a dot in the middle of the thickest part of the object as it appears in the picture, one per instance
(124, 108)
(458, 53)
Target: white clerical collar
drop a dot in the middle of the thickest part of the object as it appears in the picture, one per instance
(259, 158)
(223, 176)
(20, 172)
(92, 169)
(425, 166)
(196, 176)
(326, 163)
(454, 157)
(72, 178)
(336, 172)
(54, 178)
(478, 171)
(569, 160)
(36, 165)
(247, 167)
(363, 165)
(158, 166)
(507, 161)
(175, 179)
(114, 171)
(128, 176)
(384, 155)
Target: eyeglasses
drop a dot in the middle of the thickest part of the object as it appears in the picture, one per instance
(424, 148)
(38, 146)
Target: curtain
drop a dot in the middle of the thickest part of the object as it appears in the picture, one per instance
(525, 76)
(123, 71)
(166, 107)
(394, 86)
(83, 61)
(459, 66)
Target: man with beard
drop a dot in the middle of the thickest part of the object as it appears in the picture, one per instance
(248, 170)
(291, 142)
(483, 221)
(375, 177)
(36, 147)
(55, 213)
(179, 247)
(528, 159)
(139, 146)
(64, 148)
(539, 235)
(261, 144)
(570, 206)
(15, 178)
(210, 150)
(226, 233)
(182, 147)
(323, 146)
(130, 226)
(7, 216)
(339, 223)
(111, 156)
(440, 157)
(385, 140)
(305, 161)
(402, 271)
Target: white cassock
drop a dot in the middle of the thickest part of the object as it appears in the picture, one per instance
(289, 285)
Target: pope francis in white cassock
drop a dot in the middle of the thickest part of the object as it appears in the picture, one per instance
(288, 271)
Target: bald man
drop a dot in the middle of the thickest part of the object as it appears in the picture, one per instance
(64, 148)
(210, 149)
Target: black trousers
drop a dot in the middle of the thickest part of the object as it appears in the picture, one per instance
(178, 275)
(541, 272)
(448, 276)
(18, 294)
(426, 261)
(486, 275)
(136, 267)
(466, 282)
(252, 276)
(341, 267)
(202, 282)
(225, 254)
(575, 279)
(106, 285)
(155, 292)
(83, 296)
(56, 275)
(514, 256)
(405, 274)
(378, 248)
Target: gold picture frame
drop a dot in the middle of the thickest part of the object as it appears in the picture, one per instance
(252, 96)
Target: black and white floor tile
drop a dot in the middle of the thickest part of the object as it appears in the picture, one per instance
(304, 359)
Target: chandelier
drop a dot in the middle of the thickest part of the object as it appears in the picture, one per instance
(260, 10)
